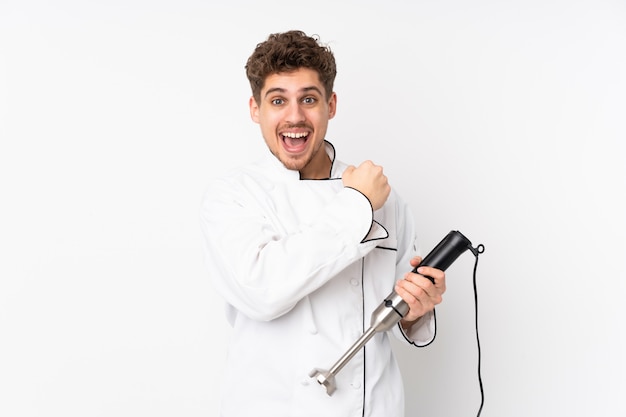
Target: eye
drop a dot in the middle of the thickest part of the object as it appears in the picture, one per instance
(278, 101)
(309, 100)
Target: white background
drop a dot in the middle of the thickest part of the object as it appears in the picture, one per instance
(502, 119)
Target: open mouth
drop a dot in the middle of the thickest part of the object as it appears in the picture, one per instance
(295, 142)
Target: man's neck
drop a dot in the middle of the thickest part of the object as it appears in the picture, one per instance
(317, 170)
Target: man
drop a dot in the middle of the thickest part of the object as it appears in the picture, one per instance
(303, 248)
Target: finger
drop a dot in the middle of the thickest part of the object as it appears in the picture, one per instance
(423, 286)
(415, 261)
(365, 163)
(418, 286)
(416, 298)
(437, 275)
(410, 293)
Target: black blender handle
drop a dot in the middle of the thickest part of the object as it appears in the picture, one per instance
(446, 252)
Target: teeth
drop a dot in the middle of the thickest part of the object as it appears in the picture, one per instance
(295, 135)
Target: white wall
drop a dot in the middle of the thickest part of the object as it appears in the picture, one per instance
(504, 120)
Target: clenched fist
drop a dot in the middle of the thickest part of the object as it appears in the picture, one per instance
(369, 179)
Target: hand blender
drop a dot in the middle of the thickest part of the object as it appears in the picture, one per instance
(394, 308)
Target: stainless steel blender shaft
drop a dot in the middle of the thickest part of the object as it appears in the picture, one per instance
(388, 313)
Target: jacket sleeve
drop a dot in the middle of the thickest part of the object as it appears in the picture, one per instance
(262, 270)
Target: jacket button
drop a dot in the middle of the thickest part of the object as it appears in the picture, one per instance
(354, 282)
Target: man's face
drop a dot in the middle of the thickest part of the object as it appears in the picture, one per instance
(293, 114)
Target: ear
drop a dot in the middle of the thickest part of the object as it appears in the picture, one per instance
(254, 110)
(332, 105)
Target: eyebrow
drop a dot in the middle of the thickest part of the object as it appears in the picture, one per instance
(282, 90)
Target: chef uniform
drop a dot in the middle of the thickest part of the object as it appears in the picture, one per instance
(301, 265)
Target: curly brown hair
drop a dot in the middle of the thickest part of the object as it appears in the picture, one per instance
(289, 51)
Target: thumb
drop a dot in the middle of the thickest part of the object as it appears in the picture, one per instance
(349, 169)
(415, 261)
(348, 172)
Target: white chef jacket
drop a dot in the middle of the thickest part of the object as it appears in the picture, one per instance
(301, 265)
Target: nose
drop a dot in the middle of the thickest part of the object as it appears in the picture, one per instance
(295, 113)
